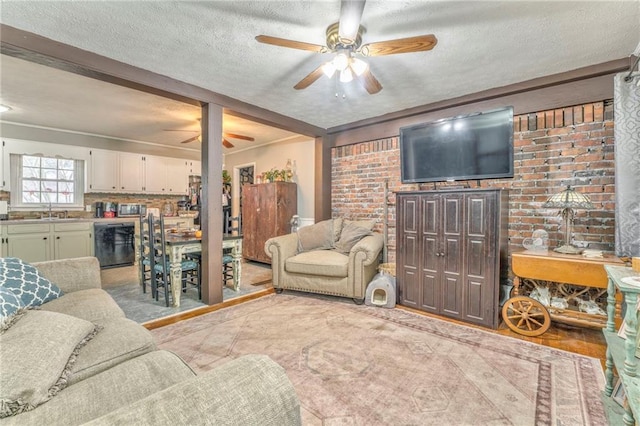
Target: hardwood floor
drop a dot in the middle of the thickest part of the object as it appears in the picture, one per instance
(580, 340)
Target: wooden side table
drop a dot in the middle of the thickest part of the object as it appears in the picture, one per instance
(570, 276)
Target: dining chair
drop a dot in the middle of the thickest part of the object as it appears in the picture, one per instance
(161, 265)
(144, 259)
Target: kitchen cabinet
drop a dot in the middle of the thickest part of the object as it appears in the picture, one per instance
(36, 242)
(72, 240)
(267, 209)
(103, 171)
(124, 172)
(130, 172)
(165, 175)
(451, 255)
(194, 168)
(31, 242)
(113, 171)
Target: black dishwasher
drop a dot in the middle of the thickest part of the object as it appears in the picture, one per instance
(114, 244)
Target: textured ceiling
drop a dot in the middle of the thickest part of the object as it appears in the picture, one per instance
(481, 45)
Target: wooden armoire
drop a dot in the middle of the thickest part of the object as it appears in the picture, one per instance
(267, 209)
(451, 254)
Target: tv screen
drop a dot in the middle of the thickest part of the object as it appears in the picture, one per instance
(475, 146)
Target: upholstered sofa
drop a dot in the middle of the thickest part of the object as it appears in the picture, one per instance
(337, 257)
(77, 360)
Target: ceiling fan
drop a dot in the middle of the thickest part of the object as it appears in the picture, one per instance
(344, 38)
(225, 137)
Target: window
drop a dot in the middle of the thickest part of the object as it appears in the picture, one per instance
(38, 181)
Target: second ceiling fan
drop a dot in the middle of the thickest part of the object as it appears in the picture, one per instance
(344, 38)
(225, 136)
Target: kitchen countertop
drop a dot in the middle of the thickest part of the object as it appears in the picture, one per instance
(80, 219)
(68, 220)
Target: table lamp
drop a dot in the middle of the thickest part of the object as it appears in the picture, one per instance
(568, 200)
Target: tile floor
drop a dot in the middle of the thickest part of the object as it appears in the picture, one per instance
(123, 285)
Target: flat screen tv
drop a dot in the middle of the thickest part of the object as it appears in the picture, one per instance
(469, 147)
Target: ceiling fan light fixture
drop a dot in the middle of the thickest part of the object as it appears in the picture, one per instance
(341, 61)
(359, 66)
(329, 69)
(346, 75)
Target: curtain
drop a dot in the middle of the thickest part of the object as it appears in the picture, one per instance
(626, 102)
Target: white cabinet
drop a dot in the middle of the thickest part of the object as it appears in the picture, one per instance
(43, 241)
(130, 173)
(3, 182)
(177, 179)
(165, 175)
(72, 240)
(113, 171)
(31, 243)
(194, 168)
(103, 171)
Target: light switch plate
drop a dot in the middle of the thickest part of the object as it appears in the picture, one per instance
(87, 208)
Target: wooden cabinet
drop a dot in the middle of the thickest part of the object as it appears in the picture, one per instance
(37, 242)
(452, 252)
(267, 209)
(130, 172)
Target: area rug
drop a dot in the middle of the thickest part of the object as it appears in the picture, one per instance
(361, 365)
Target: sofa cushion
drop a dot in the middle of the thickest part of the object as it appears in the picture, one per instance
(369, 224)
(10, 305)
(26, 282)
(110, 390)
(319, 236)
(37, 354)
(92, 305)
(349, 237)
(119, 340)
(337, 228)
(328, 263)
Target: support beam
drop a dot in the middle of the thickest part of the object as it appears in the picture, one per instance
(211, 208)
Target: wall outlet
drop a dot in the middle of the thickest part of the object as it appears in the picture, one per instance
(87, 208)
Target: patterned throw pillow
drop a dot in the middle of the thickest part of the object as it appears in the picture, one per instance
(10, 304)
(25, 281)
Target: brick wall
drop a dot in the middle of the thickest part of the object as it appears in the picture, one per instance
(552, 149)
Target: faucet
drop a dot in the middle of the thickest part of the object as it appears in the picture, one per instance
(42, 214)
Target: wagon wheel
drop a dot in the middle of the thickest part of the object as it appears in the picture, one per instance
(526, 316)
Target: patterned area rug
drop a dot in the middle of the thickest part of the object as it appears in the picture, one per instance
(360, 365)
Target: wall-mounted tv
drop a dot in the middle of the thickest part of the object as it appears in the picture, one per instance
(474, 146)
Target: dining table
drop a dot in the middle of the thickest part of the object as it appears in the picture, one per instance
(179, 244)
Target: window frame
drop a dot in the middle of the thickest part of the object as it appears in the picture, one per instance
(16, 184)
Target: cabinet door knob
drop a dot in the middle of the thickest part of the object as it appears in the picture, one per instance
(57, 238)
(44, 238)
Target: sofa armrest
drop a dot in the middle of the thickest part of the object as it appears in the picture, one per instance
(370, 247)
(279, 249)
(71, 275)
(251, 390)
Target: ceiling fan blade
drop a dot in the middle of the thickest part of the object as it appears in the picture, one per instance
(277, 41)
(195, 138)
(369, 82)
(401, 45)
(180, 130)
(310, 78)
(226, 143)
(350, 16)
(237, 136)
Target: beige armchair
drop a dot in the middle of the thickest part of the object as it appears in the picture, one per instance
(333, 269)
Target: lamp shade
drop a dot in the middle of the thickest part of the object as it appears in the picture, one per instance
(568, 198)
